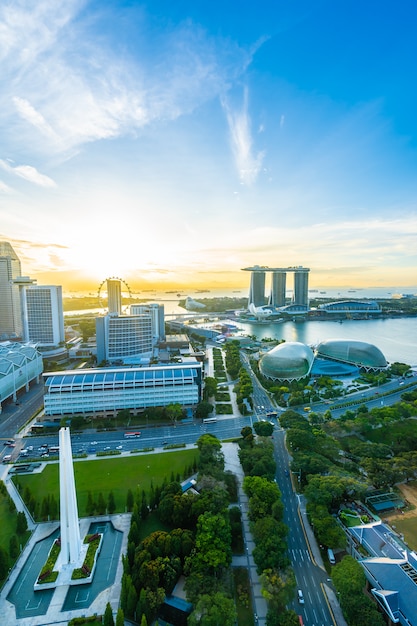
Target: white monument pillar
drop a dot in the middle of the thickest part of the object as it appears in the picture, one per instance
(70, 527)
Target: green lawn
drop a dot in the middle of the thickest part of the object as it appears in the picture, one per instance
(407, 526)
(8, 527)
(112, 474)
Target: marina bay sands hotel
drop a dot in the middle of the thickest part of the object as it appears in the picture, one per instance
(278, 285)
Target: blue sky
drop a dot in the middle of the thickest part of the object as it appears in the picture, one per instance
(177, 142)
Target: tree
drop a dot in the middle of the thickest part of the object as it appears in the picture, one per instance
(53, 508)
(101, 504)
(129, 500)
(212, 610)
(277, 588)
(111, 504)
(13, 547)
(174, 412)
(213, 541)
(21, 523)
(108, 616)
(262, 494)
(210, 387)
(263, 428)
(4, 563)
(90, 506)
(203, 409)
(131, 601)
(348, 576)
(120, 618)
(144, 509)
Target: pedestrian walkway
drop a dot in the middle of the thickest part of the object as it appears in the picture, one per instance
(232, 464)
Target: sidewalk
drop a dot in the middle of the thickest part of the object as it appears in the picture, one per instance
(232, 463)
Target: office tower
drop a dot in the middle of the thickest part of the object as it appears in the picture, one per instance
(301, 286)
(157, 313)
(278, 287)
(10, 315)
(257, 287)
(114, 296)
(124, 338)
(42, 314)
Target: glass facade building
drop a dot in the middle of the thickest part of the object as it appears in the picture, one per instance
(124, 337)
(107, 391)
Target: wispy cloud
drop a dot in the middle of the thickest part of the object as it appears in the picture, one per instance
(28, 173)
(27, 112)
(4, 188)
(248, 164)
(65, 81)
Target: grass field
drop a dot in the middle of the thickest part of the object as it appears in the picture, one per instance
(408, 527)
(8, 526)
(113, 474)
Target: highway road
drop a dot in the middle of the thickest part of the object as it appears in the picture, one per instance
(14, 416)
(92, 442)
(309, 576)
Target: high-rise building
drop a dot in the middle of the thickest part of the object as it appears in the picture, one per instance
(278, 289)
(278, 285)
(10, 315)
(157, 313)
(301, 286)
(126, 338)
(257, 287)
(114, 296)
(42, 314)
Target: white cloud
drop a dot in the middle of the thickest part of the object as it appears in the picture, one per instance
(68, 82)
(29, 173)
(247, 163)
(27, 112)
(4, 188)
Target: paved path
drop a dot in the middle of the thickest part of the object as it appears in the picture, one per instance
(232, 463)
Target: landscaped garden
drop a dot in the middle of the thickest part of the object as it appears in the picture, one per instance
(112, 475)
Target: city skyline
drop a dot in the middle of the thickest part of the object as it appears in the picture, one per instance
(174, 145)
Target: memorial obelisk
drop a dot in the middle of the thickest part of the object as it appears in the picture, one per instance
(70, 527)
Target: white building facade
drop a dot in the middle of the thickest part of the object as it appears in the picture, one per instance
(157, 313)
(42, 315)
(107, 391)
(126, 338)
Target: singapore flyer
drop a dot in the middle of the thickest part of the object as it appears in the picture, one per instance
(125, 293)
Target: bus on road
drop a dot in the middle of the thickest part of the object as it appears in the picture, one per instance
(133, 435)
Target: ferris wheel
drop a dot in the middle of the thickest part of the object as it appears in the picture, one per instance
(124, 291)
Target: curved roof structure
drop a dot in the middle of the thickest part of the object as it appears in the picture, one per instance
(351, 306)
(291, 360)
(358, 353)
